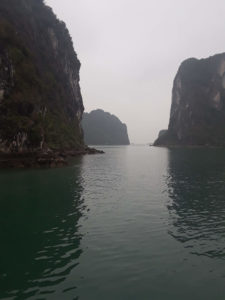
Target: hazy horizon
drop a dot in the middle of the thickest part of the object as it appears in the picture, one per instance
(131, 50)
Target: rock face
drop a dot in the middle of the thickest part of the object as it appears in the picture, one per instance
(197, 115)
(102, 128)
(40, 101)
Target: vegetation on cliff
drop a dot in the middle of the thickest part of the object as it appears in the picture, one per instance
(40, 101)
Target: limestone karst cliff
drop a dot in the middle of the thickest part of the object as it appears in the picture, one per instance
(40, 101)
(197, 115)
(102, 128)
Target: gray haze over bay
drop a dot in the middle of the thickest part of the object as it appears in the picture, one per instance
(130, 51)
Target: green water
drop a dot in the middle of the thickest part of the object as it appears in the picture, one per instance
(135, 223)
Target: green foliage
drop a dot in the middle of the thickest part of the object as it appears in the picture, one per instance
(38, 98)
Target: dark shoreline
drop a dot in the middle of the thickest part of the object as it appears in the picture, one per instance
(188, 146)
(47, 159)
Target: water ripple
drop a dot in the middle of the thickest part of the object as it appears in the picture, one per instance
(196, 204)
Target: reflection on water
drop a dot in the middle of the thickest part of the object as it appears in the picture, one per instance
(196, 185)
(54, 247)
(39, 232)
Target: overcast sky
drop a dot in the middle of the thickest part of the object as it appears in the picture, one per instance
(130, 51)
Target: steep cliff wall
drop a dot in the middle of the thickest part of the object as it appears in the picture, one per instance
(197, 114)
(102, 128)
(40, 101)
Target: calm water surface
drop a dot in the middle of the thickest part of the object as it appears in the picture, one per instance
(136, 223)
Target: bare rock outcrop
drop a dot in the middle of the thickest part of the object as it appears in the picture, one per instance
(197, 115)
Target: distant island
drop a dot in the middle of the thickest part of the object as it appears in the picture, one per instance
(103, 128)
(197, 115)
